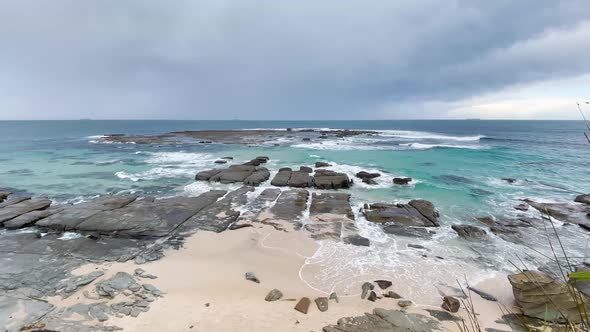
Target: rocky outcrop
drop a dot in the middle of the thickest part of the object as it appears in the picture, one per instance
(566, 212)
(260, 175)
(416, 213)
(290, 204)
(14, 210)
(383, 320)
(319, 164)
(402, 181)
(542, 296)
(300, 179)
(281, 179)
(248, 173)
(584, 199)
(470, 232)
(325, 179)
(367, 175)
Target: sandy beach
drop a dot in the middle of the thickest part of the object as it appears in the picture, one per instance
(204, 288)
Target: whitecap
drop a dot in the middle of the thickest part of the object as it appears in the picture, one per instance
(422, 146)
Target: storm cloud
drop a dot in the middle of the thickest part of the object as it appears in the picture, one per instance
(222, 59)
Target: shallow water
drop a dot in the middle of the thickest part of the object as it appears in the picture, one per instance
(458, 165)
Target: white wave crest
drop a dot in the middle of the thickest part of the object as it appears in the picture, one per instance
(421, 146)
(406, 134)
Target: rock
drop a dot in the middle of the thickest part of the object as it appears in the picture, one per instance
(451, 304)
(324, 179)
(393, 295)
(417, 246)
(303, 305)
(220, 161)
(454, 179)
(357, 240)
(234, 173)
(370, 181)
(334, 297)
(522, 207)
(383, 284)
(470, 232)
(322, 303)
(382, 320)
(584, 199)
(367, 175)
(281, 179)
(406, 231)
(273, 295)
(404, 303)
(4, 195)
(227, 158)
(366, 287)
(567, 212)
(402, 181)
(415, 213)
(306, 139)
(73, 284)
(290, 204)
(372, 296)
(29, 219)
(250, 276)
(116, 284)
(14, 210)
(306, 169)
(255, 179)
(206, 175)
(509, 180)
(142, 274)
(542, 296)
(322, 164)
(483, 294)
(152, 290)
(300, 179)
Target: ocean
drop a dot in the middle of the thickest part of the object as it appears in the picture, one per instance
(457, 165)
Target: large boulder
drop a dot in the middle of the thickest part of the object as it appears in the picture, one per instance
(567, 212)
(206, 175)
(290, 204)
(542, 296)
(367, 175)
(585, 199)
(324, 179)
(255, 179)
(300, 179)
(415, 213)
(233, 174)
(281, 179)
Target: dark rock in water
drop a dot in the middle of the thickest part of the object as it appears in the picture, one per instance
(324, 179)
(357, 240)
(417, 246)
(369, 181)
(454, 179)
(392, 295)
(383, 284)
(206, 175)
(260, 175)
(451, 304)
(322, 303)
(470, 232)
(14, 200)
(4, 195)
(367, 175)
(306, 169)
(300, 179)
(366, 287)
(116, 284)
(415, 213)
(281, 179)
(414, 232)
(14, 210)
(273, 295)
(334, 297)
(227, 158)
(402, 181)
(405, 303)
(220, 161)
(542, 296)
(303, 305)
(509, 180)
(306, 139)
(322, 164)
(481, 192)
(333, 203)
(571, 213)
(522, 207)
(443, 316)
(483, 294)
(233, 174)
(585, 199)
(382, 320)
(252, 277)
(372, 296)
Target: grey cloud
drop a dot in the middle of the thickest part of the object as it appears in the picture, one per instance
(219, 59)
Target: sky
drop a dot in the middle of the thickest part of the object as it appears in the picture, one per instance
(294, 60)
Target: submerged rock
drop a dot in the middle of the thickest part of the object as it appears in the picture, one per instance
(402, 181)
(470, 232)
(416, 213)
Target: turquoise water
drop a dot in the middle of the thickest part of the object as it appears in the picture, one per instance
(458, 165)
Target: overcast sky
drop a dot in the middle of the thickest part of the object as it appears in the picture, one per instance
(320, 59)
